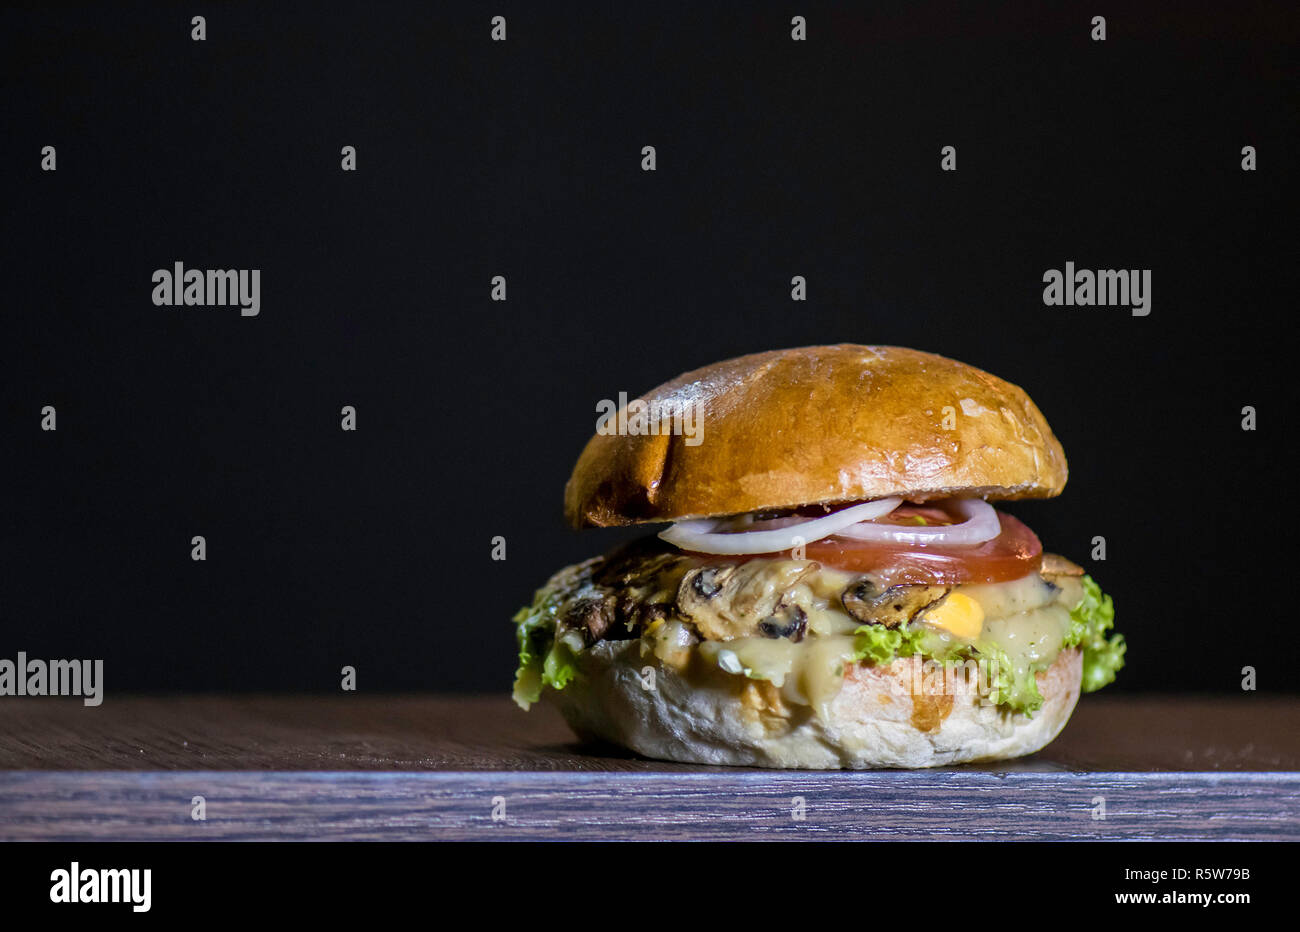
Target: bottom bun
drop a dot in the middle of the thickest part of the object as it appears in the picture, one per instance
(882, 716)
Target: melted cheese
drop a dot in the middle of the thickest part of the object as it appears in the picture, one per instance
(809, 672)
(959, 614)
(1030, 639)
(1027, 619)
(999, 600)
(670, 641)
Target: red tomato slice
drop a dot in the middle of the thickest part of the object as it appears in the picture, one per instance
(1013, 554)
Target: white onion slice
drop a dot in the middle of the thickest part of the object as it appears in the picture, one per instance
(701, 537)
(750, 523)
(981, 524)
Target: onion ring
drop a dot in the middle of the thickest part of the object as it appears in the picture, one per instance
(981, 525)
(701, 537)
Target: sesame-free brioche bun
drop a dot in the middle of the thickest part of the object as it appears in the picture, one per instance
(819, 424)
(879, 719)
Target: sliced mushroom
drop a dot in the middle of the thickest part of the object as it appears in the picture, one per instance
(608, 618)
(642, 616)
(725, 602)
(789, 621)
(593, 615)
(891, 607)
(708, 581)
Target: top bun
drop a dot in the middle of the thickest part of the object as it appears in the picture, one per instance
(818, 425)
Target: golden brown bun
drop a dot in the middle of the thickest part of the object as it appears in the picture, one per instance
(876, 720)
(821, 424)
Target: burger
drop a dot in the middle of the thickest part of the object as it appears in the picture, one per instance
(834, 587)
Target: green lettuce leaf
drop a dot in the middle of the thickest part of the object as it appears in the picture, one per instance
(881, 645)
(1090, 622)
(1016, 693)
(543, 661)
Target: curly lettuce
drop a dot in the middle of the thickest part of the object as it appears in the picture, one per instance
(543, 660)
(880, 645)
(1012, 691)
(1090, 622)
(1103, 653)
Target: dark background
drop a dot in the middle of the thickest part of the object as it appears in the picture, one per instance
(521, 158)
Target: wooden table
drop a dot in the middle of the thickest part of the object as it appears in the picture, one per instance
(431, 767)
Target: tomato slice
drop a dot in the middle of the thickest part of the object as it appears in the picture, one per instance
(1013, 554)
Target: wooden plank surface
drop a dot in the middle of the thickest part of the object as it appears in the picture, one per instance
(408, 767)
(404, 732)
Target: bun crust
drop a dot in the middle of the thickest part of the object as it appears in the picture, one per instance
(820, 424)
(874, 722)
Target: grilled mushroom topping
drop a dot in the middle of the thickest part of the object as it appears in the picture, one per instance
(891, 607)
(709, 580)
(593, 616)
(605, 617)
(725, 602)
(790, 621)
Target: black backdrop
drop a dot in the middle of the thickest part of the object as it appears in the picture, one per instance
(476, 158)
